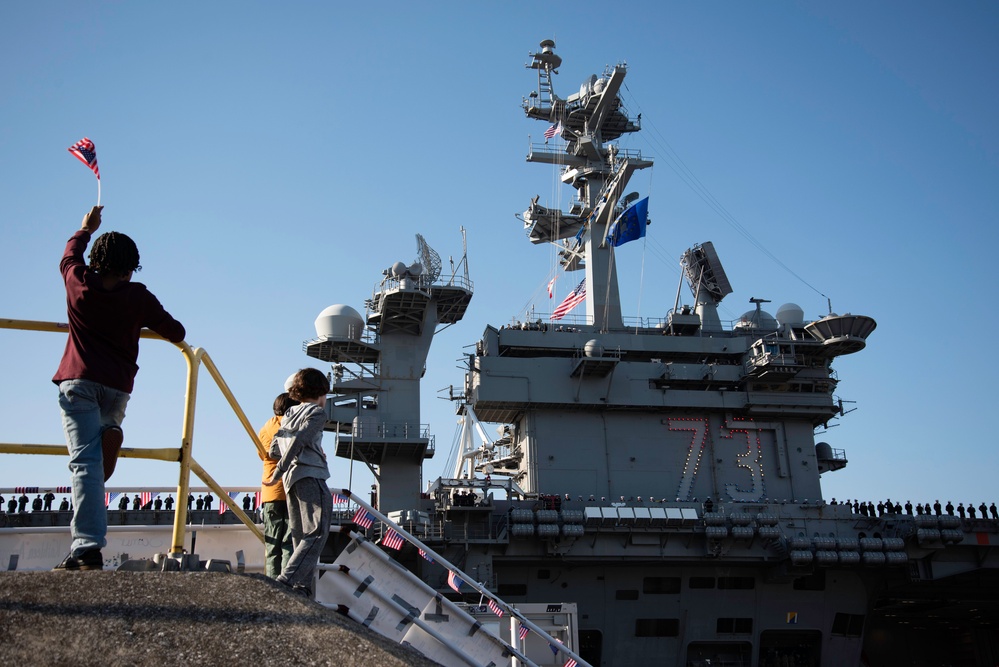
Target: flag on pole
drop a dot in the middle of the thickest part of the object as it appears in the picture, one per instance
(631, 224)
(551, 287)
(552, 131)
(425, 555)
(222, 506)
(363, 518)
(523, 632)
(340, 499)
(576, 297)
(86, 153)
(495, 608)
(392, 540)
(454, 581)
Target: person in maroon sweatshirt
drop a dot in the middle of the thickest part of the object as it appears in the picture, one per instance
(106, 311)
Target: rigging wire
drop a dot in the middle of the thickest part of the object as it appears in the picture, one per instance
(690, 179)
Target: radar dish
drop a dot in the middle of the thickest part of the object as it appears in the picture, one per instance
(429, 258)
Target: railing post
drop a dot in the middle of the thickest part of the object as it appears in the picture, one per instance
(193, 358)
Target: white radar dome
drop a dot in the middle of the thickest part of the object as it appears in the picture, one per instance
(340, 321)
(593, 348)
(791, 314)
(757, 319)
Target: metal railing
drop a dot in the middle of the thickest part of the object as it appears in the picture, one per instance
(195, 357)
(515, 650)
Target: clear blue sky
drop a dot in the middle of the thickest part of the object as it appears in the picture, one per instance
(271, 159)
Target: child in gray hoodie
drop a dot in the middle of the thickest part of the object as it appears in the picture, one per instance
(302, 469)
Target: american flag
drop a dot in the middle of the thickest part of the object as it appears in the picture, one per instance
(570, 663)
(425, 555)
(222, 506)
(392, 540)
(86, 153)
(146, 497)
(108, 497)
(551, 288)
(256, 499)
(576, 297)
(523, 632)
(454, 581)
(340, 499)
(495, 608)
(363, 518)
(552, 131)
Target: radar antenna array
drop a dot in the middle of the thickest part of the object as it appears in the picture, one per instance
(429, 258)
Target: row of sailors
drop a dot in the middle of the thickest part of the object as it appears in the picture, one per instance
(539, 326)
(888, 507)
(863, 508)
(44, 503)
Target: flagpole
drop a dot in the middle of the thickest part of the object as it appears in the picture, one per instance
(98, 191)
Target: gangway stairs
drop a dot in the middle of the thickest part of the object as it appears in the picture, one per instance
(366, 584)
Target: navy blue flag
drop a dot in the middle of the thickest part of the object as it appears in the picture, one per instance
(630, 225)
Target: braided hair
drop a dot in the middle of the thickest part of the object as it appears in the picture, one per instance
(114, 254)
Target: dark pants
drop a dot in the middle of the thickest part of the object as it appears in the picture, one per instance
(277, 537)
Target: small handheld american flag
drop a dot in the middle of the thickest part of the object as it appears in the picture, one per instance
(495, 608)
(392, 540)
(86, 153)
(363, 518)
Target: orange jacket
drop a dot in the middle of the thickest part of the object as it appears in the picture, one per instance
(276, 492)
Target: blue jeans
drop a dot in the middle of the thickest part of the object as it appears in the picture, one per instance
(88, 408)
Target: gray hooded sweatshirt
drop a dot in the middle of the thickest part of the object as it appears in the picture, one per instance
(299, 444)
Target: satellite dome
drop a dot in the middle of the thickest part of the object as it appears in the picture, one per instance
(791, 314)
(757, 319)
(340, 322)
(593, 348)
(398, 270)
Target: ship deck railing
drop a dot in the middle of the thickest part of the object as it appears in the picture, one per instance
(423, 282)
(195, 358)
(648, 326)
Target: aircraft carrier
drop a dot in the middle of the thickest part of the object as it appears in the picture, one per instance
(662, 475)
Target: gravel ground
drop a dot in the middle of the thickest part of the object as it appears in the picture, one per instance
(173, 618)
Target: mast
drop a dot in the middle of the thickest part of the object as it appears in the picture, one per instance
(599, 171)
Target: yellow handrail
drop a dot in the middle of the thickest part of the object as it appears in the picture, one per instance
(195, 357)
